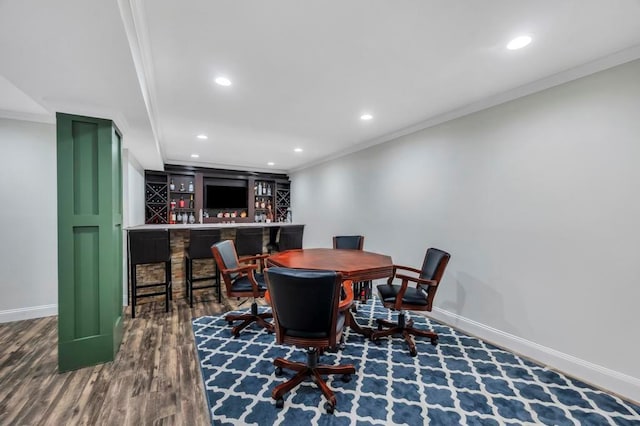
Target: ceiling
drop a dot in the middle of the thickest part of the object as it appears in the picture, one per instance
(302, 72)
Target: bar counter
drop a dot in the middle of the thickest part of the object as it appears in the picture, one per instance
(179, 240)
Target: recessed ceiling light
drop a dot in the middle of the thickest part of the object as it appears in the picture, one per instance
(298, 149)
(195, 155)
(203, 137)
(366, 117)
(223, 81)
(271, 163)
(519, 42)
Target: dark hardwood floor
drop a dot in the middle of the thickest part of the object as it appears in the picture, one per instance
(154, 380)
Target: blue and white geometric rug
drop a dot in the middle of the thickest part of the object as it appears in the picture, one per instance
(461, 381)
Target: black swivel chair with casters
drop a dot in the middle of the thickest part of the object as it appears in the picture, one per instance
(146, 247)
(418, 298)
(248, 241)
(307, 314)
(200, 242)
(241, 280)
(290, 237)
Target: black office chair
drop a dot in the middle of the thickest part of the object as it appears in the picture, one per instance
(306, 314)
(290, 237)
(200, 242)
(248, 241)
(242, 281)
(419, 298)
(146, 247)
(361, 289)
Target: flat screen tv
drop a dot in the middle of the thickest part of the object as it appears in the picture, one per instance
(225, 197)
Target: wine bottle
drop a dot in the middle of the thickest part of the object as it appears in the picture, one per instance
(191, 202)
(269, 190)
(259, 188)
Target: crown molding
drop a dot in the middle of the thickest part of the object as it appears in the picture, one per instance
(618, 58)
(28, 116)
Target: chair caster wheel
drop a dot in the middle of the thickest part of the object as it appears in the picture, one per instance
(278, 371)
(279, 403)
(413, 352)
(346, 378)
(229, 322)
(434, 341)
(379, 327)
(329, 407)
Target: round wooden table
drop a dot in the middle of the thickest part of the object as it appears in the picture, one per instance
(355, 265)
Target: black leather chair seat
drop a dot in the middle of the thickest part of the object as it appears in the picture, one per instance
(413, 296)
(318, 335)
(243, 284)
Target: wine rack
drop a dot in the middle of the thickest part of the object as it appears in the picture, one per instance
(283, 202)
(156, 206)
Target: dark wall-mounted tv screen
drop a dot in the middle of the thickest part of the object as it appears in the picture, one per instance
(225, 197)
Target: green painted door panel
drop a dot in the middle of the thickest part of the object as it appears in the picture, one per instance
(89, 241)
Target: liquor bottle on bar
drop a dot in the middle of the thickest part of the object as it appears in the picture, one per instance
(269, 190)
(181, 202)
(259, 188)
(190, 186)
(191, 202)
(172, 187)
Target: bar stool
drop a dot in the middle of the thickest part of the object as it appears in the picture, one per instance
(248, 241)
(200, 242)
(290, 237)
(146, 247)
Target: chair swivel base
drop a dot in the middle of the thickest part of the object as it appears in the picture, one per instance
(310, 369)
(248, 319)
(406, 329)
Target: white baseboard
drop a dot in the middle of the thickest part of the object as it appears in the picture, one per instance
(601, 377)
(28, 313)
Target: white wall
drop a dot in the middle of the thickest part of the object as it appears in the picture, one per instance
(537, 200)
(28, 193)
(133, 190)
(133, 208)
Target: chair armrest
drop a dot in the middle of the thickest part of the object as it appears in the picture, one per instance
(243, 268)
(254, 259)
(406, 268)
(245, 259)
(348, 300)
(417, 280)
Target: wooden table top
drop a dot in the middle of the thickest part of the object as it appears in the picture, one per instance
(356, 265)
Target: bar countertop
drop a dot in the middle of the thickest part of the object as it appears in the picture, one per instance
(208, 225)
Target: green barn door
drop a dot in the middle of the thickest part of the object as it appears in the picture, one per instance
(89, 241)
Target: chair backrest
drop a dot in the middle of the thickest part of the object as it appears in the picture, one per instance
(348, 242)
(224, 252)
(200, 242)
(248, 241)
(305, 305)
(290, 237)
(435, 262)
(149, 246)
